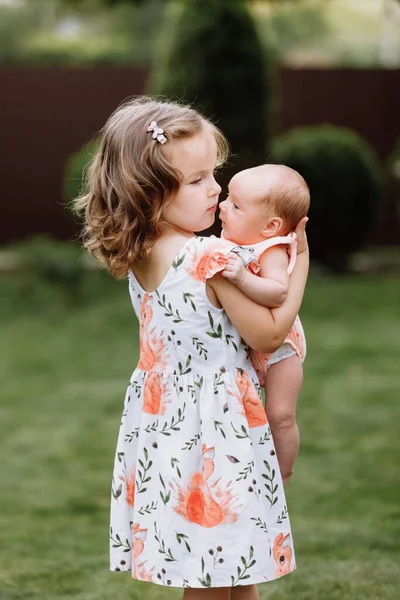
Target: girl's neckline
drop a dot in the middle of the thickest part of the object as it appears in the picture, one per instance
(132, 274)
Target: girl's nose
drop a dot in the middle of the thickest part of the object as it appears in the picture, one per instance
(216, 189)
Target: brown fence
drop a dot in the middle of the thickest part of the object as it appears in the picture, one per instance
(45, 114)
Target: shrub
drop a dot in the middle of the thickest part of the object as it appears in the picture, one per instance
(394, 172)
(344, 177)
(211, 57)
(50, 267)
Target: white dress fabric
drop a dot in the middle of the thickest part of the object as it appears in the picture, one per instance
(197, 497)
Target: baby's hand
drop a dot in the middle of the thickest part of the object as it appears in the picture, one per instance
(300, 231)
(234, 270)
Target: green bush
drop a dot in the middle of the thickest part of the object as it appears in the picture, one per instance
(344, 177)
(51, 268)
(211, 57)
(394, 172)
(74, 169)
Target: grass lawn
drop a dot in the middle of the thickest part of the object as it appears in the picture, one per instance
(63, 376)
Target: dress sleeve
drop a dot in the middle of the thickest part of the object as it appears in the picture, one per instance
(210, 256)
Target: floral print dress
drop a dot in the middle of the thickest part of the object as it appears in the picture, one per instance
(197, 497)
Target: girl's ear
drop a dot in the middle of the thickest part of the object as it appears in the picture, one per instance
(272, 227)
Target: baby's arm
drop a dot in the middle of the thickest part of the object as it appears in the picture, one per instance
(271, 287)
(262, 328)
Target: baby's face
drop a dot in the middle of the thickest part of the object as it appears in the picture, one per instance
(243, 214)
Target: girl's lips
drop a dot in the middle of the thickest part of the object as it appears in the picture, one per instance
(212, 208)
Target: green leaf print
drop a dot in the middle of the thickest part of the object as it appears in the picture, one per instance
(178, 261)
(166, 429)
(136, 388)
(186, 369)
(246, 471)
(118, 543)
(116, 492)
(271, 486)
(217, 333)
(148, 508)
(200, 347)
(283, 515)
(162, 550)
(214, 333)
(266, 437)
(229, 339)
(193, 442)
(132, 435)
(218, 427)
(218, 380)
(192, 392)
(260, 524)
(174, 465)
(169, 312)
(153, 427)
(166, 496)
(189, 297)
(206, 579)
(142, 473)
(244, 433)
(199, 383)
(182, 536)
(247, 564)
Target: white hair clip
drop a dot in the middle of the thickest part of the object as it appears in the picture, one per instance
(157, 132)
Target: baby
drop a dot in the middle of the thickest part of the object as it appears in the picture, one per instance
(262, 209)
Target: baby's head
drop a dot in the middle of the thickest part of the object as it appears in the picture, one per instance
(264, 202)
(149, 151)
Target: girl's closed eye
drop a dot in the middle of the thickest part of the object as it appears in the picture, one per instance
(196, 181)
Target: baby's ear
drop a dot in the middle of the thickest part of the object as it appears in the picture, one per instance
(272, 227)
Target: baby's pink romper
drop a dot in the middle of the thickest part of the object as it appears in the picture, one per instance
(295, 342)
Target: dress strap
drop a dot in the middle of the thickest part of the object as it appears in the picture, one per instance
(290, 241)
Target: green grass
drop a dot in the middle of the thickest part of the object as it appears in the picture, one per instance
(63, 372)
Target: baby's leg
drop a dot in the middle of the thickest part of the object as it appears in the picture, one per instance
(220, 593)
(283, 383)
(245, 592)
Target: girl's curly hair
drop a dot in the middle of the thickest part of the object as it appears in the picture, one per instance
(131, 178)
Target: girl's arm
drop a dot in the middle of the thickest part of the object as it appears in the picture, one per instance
(262, 328)
(270, 287)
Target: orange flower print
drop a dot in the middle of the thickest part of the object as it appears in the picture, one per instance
(129, 486)
(139, 570)
(282, 552)
(152, 348)
(249, 399)
(206, 264)
(155, 395)
(205, 504)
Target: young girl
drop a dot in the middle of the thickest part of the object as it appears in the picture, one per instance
(197, 497)
(264, 204)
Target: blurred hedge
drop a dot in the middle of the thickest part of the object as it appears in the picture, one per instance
(345, 182)
(394, 172)
(211, 56)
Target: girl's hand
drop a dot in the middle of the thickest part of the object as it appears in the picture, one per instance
(234, 270)
(300, 231)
